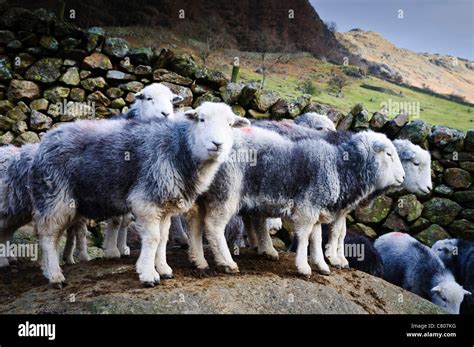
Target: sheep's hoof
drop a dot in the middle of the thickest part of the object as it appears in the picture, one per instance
(166, 276)
(271, 255)
(228, 269)
(58, 285)
(324, 272)
(150, 284)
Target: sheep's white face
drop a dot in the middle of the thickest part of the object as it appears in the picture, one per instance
(448, 295)
(212, 135)
(417, 165)
(315, 121)
(156, 101)
(445, 249)
(390, 169)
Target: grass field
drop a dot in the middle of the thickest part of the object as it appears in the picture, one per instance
(432, 109)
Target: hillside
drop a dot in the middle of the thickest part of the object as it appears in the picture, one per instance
(441, 73)
(248, 25)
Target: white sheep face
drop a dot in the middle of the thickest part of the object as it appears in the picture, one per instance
(156, 101)
(448, 295)
(315, 121)
(212, 137)
(390, 169)
(417, 165)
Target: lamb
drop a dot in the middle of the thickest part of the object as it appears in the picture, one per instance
(458, 256)
(410, 264)
(307, 182)
(104, 168)
(358, 250)
(315, 121)
(416, 164)
(154, 101)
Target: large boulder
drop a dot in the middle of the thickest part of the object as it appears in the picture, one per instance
(71, 77)
(416, 131)
(440, 211)
(263, 100)
(45, 70)
(432, 234)
(409, 207)
(116, 47)
(266, 288)
(230, 93)
(140, 56)
(6, 72)
(449, 139)
(39, 121)
(23, 90)
(97, 61)
(376, 211)
(163, 75)
(457, 178)
(462, 228)
(94, 38)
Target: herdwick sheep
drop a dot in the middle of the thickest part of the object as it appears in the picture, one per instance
(416, 163)
(358, 250)
(458, 256)
(410, 264)
(315, 121)
(152, 102)
(103, 168)
(306, 181)
(16, 205)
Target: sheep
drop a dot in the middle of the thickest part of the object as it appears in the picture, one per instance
(416, 164)
(358, 250)
(104, 168)
(410, 264)
(16, 205)
(315, 121)
(307, 181)
(153, 101)
(458, 256)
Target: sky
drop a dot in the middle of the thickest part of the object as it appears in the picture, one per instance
(432, 26)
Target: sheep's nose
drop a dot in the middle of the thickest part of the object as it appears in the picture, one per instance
(429, 188)
(165, 114)
(217, 144)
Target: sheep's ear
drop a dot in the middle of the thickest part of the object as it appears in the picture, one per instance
(407, 154)
(139, 96)
(379, 146)
(436, 289)
(191, 114)
(467, 292)
(177, 98)
(240, 122)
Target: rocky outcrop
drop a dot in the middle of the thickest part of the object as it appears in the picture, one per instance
(263, 286)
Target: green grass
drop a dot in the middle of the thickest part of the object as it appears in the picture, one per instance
(433, 110)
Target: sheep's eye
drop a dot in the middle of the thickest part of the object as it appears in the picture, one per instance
(319, 128)
(389, 154)
(443, 298)
(149, 99)
(416, 164)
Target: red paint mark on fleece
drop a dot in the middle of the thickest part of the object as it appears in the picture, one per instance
(287, 124)
(246, 130)
(398, 234)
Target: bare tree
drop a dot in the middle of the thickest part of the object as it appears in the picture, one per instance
(211, 37)
(269, 57)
